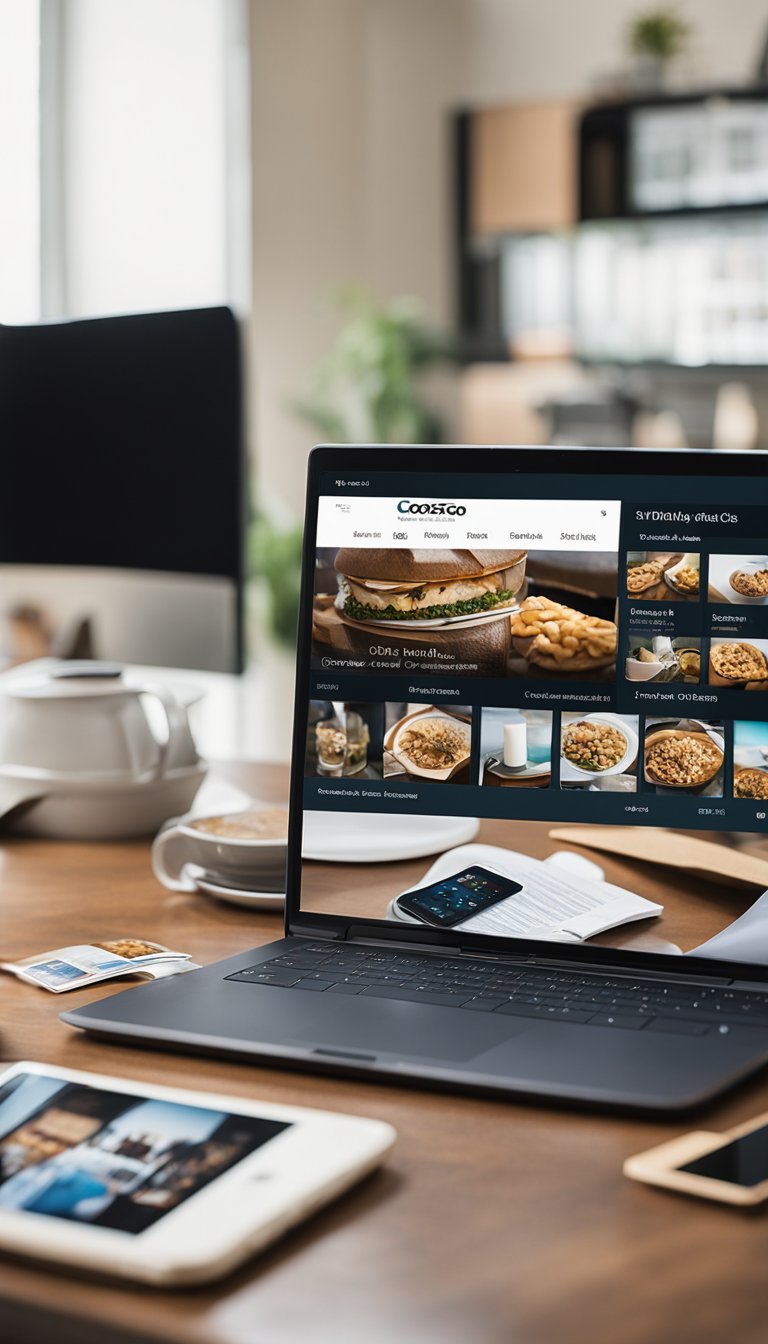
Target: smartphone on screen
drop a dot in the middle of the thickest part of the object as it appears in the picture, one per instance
(730, 1167)
(453, 899)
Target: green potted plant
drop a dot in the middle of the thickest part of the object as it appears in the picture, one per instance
(656, 38)
(274, 559)
(367, 389)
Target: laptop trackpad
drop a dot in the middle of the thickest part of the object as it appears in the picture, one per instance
(406, 1029)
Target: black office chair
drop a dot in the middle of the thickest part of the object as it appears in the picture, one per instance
(124, 491)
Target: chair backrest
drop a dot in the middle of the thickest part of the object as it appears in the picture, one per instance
(122, 447)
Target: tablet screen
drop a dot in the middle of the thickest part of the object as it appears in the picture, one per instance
(112, 1159)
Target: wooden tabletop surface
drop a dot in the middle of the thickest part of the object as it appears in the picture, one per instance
(492, 1222)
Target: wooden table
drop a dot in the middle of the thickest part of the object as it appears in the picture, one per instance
(492, 1223)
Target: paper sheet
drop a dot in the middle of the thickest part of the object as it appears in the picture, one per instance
(746, 939)
(552, 905)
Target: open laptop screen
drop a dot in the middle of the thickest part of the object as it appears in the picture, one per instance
(516, 680)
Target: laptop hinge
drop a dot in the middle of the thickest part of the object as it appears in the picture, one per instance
(363, 933)
(633, 973)
(376, 937)
(308, 931)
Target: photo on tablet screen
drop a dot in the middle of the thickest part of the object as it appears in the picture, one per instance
(93, 1156)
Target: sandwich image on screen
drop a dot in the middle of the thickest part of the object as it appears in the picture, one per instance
(402, 609)
(539, 615)
(412, 585)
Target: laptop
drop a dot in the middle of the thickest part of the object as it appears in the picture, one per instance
(515, 667)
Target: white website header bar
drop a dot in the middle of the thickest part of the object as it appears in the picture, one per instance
(525, 524)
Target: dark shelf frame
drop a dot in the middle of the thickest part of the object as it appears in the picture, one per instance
(603, 133)
(477, 262)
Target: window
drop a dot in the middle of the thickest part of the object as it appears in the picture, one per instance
(19, 161)
(123, 154)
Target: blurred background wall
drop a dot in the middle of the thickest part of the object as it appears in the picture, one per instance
(352, 152)
(367, 185)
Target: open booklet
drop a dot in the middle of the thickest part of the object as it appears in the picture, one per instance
(553, 903)
(88, 963)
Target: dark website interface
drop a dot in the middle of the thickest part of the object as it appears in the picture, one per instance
(498, 662)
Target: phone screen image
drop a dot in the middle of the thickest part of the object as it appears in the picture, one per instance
(742, 1162)
(91, 1155)
(456, 898)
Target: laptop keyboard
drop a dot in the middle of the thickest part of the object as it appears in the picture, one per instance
(517, 991)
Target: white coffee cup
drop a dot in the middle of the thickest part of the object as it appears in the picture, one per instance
(183, 851)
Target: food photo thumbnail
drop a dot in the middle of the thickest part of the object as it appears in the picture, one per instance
(599, 752)
(739, 663)
(740, 579)
(344, 739)
(684, 755)
(492, 613)
(428, 742)
(516, 748)
(556, 640)
(663, 576)
(750, 760)
(661, 658)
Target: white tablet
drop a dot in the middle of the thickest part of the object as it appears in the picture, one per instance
(160, 1184)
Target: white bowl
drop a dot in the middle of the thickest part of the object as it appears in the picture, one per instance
(639, 671)
(630, 737)
(109, 810)
(181, 850)
(749, 567)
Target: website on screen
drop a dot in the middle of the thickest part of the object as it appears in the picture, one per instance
(494, 669)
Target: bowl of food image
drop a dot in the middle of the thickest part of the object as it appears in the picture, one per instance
(678, 758)
(750, 580)
(598, 744)
(430, 743)
(750, 782)
(423, 589)
(736, 664)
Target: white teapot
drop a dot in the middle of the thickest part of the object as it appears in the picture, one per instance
(86, 753)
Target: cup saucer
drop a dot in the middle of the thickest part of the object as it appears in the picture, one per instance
(262, 900)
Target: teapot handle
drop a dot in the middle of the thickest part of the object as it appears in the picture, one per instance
(178, 726)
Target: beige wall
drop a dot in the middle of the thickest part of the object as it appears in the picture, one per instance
(351, 182)
(558, 48)
(351, 163)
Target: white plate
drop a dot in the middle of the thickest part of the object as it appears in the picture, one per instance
(494, 765)
(364, 837)
(437, 621)
(569, 771)
(263, 900)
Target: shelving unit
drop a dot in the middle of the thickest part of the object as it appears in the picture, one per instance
(628, 233)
